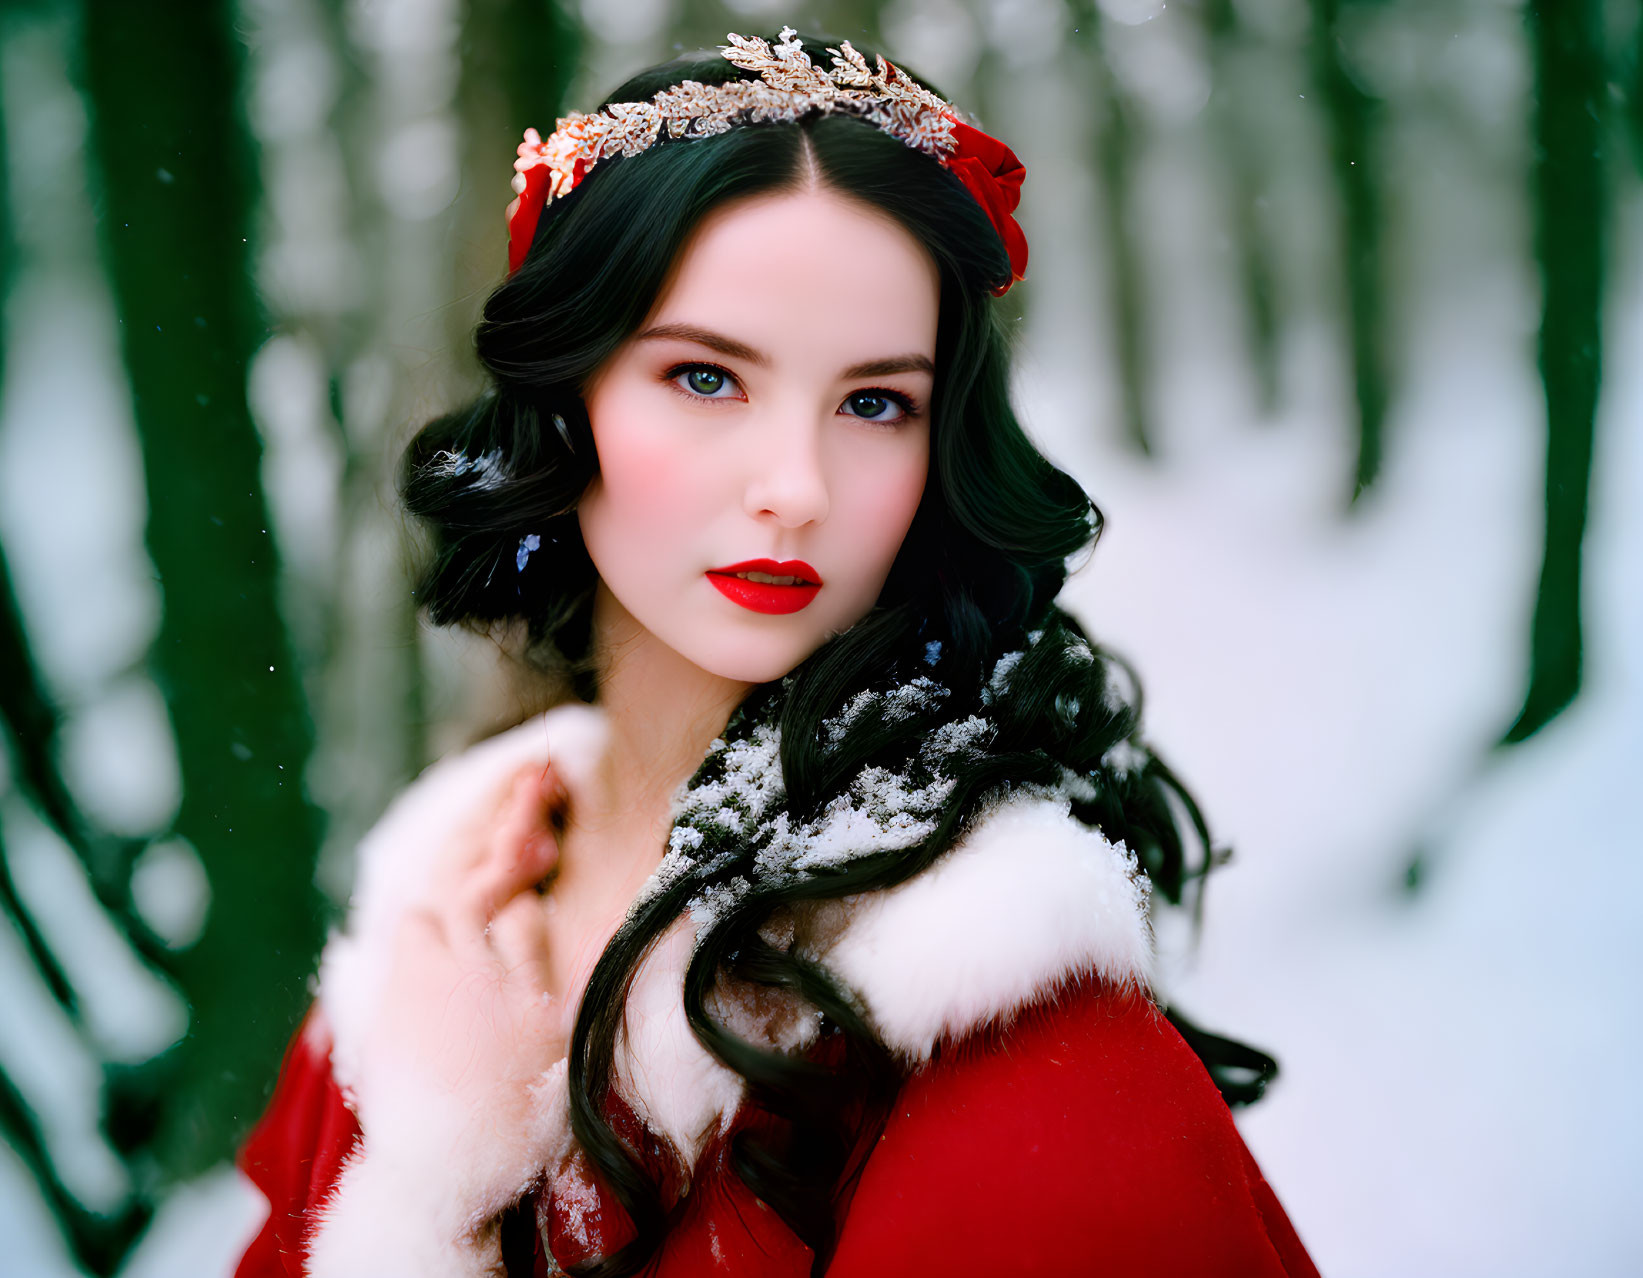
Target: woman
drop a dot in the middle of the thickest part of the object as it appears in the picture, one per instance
(810, 932)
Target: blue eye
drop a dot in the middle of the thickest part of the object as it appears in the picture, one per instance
(703, 380)
(877, 406)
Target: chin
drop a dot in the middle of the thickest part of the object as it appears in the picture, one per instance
(753, 663)
(752, 657)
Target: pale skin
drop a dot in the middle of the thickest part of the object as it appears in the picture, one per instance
(773, 405)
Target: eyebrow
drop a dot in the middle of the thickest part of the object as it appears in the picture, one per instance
(737, 350)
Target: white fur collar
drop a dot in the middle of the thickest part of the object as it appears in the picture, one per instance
(1029, 896)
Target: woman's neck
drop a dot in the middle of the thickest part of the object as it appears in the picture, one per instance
(662, 712)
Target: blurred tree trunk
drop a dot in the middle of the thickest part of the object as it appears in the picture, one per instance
(1633, 80)
(31, 724)
(1569, 198)
(519, 58)
(532, 48)
(176, 183)
(99, 1240)
(1113, 164)
(854, 20)
(1349, 114)
(1242, 169)
(28, 718)
(703, 24)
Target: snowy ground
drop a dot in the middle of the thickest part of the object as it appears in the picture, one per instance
(1456, 1096)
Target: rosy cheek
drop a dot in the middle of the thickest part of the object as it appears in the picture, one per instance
(644, 477)
(890, 506)
(640, 464)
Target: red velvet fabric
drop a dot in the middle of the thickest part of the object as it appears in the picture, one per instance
(1083, 1138)
(295, 1153)
(1086, 1138)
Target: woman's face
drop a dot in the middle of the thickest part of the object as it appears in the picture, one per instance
(774, 406)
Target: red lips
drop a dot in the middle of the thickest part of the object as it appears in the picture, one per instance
(759, 596)
(787, 568)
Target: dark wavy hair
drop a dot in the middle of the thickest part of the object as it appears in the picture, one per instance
(497, 485)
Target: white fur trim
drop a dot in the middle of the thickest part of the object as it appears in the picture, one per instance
(1030, 896)
(675, 1087)
(424, 1195)
(394, 1219)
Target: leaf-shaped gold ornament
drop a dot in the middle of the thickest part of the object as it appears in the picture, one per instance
(789, 86)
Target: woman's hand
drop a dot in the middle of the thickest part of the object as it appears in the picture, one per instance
(457, 1078)
(466, 1023)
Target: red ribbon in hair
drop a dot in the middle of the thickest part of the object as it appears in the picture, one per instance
(524, 213)
(991, 173)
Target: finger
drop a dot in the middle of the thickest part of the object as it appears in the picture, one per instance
(538, 799)
(521, 815)
(420, 930)
(516, 848)
(519, 947)
(471, 841)
(553, 795)
(421, 942)
(518, 862)
(518, 937)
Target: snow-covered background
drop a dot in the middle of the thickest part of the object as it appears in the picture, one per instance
(1456, 1095)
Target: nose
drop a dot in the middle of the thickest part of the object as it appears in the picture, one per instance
(787, 478)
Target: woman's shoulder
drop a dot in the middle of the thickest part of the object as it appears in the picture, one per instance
(1028, 897)
(1082, 1135)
